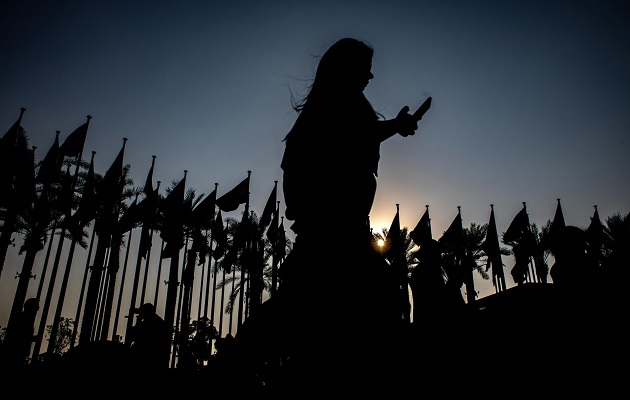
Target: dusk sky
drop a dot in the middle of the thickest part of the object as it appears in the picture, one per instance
(531, 100)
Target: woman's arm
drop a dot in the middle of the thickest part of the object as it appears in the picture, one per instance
(404, 124)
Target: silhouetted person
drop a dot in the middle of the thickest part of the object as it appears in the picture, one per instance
(571, 267)
(16, 347)
(427, 284)
(331, 158)
(330, 166)
(521, 262)
(149, 340)
(589, 334)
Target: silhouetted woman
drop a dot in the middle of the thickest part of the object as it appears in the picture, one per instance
(334, 276)
(331, 158)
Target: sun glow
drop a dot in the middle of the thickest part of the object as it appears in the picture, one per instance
(380, 243)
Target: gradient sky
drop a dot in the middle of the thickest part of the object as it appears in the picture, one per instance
(531, 99)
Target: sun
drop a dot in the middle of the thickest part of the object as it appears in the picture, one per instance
(380, 243)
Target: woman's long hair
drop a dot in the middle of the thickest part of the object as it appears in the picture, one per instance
(337, 66)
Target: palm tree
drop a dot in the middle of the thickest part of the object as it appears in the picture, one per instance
(171, 227)
(33, 222)
(75, 224)
(235, 261)
(616, 244)
(402, 265)
(117, 238)
(473, 253)
(192, 231)
(542, 252)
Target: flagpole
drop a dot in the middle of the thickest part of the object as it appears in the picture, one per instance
(530, 267)
(62, 295)
(214, 290)
(159, 274)
(44, 313)
(232, 310)
(147, 263)
(96, 322)
(148, 251)
(247, 249)
(49, 292)
(274, 253)
(83, 287)
(210, 272)
(108, 198)
(136, 276)
(222, 304)
(146, 271)
(202, 282)
(42, 275)
(283, 244)
(180, 286)
(122, 280)
(497, 264)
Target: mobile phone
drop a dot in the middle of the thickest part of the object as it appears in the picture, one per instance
(422, 109)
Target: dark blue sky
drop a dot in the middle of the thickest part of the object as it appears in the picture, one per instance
(530, 98)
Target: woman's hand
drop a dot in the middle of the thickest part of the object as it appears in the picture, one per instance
(405, 122)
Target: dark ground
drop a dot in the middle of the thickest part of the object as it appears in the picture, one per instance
(526, 340)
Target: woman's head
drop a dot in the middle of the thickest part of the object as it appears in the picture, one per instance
(345, 61)
(344, 68)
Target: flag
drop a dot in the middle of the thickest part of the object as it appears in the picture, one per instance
(66, 198)
(558, 219)
(242, 236)
(235, 197)
(147, 209)
(73, 145)
(10, 136)
(8, 140)
(219, 236)
(555, 231)
(517, 227)
(87, 205)
(174, 200)
(172, 229)
(491, 244)
(454, 235)
(282, 241)
(109, 188)
(50, 167)
(520, 236)
(422, 232)
(148, 184)
(204, 211)
(594, 238)
(595, 229)
(8, 147)
(270, 207)
(130, 218)
(393, 240)
(272, 232)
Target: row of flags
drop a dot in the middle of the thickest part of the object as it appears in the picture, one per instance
(517, 231)
(101, 201)
(527, 246)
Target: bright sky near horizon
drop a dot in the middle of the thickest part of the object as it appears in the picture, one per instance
(531, 99)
